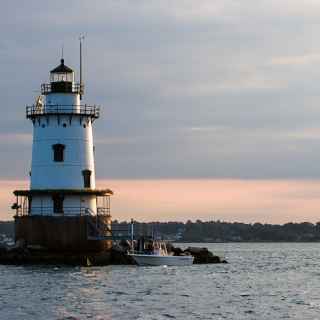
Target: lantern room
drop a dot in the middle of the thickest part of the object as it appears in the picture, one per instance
(62, 73)
(62, 81)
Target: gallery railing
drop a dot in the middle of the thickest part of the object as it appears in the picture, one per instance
(67, 211)
(82, 110)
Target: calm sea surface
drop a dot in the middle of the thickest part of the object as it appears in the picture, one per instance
(261, 281)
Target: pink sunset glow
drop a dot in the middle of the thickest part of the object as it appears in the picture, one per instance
(271, 201)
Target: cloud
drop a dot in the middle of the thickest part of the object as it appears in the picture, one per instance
(296, 60)
(305, 134)
(167, 75)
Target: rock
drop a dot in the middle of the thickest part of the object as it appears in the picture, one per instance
(36, 247)
(20, 243)
(169, 246)
(197, 250)
(125, 245)
(3, 249)
(177, 251)
(203, 255)
(119, 248)
(120, 257)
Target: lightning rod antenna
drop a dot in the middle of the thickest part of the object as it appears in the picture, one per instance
(81, 38)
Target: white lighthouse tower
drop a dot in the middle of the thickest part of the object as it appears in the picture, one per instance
(62, 153)
(62, 202)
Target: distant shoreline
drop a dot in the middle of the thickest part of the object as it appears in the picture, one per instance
(216, 231)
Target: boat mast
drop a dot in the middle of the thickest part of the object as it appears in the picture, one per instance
(132, 245)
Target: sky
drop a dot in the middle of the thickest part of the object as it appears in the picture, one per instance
(221, 97)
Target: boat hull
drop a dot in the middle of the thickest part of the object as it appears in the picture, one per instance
(154, 260)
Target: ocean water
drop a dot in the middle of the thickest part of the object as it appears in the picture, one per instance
(261, 281)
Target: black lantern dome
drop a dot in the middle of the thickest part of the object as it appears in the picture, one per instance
(62, 68)
(61, 78)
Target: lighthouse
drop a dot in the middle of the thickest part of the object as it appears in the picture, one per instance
(63, 210)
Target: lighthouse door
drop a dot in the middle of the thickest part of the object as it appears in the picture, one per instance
(57, 203)
(86, 178)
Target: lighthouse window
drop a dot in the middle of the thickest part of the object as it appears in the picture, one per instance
(29, 204)
(58, 152)
(57, 77)
(86, 178)
(57, 203)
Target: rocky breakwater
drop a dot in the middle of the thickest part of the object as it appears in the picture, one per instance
(21, 254)
(201, 255)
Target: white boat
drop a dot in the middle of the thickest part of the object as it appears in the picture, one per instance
(160, 257)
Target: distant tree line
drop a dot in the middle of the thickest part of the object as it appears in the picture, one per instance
(225, 231)
(216, 231)
(219, 231)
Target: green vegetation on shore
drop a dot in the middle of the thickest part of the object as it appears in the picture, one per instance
(218, 231)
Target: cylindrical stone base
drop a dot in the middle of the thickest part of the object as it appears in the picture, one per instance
(62, 234)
